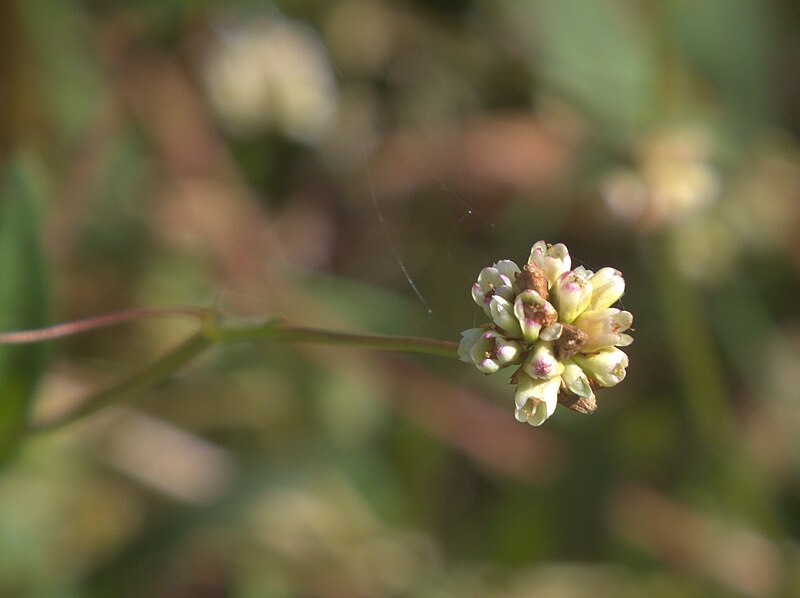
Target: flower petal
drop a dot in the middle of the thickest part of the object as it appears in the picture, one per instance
(604, 328)
(507, 269)
(575, 380)
(553, 259)
(571, 295)
(469, 339)
(551, 332)
(503, 314)
(606, 367)
(491, 352)
(607, 287)
(536, 400)
(495, 280)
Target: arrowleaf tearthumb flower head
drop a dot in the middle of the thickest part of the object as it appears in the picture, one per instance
(556, 325)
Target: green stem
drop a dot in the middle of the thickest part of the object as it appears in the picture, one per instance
(294, 334)
(218, 332)
(696, 358)
(136, 383)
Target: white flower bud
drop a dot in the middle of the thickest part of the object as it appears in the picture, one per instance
(554, 260)
(495, 280)
(606, 366)
(571, 295)
(536, 400)
(488, 350)
(575, 380)
(468, 340)
(533, 313)
(607, 287)
(541, 363)
(502, 313)
(604, 328)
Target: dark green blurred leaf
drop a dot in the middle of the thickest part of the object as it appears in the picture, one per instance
(731, 41)
(67, 76)
(22, 299)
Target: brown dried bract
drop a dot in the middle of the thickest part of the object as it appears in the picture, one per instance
(539, 314)
(585, 405)
(533, 278)
(569, 343)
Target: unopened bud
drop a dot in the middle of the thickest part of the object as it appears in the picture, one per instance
(533, 313)
(502, 313)
(554, 260)
(605, 328)
(541, 363)
(536, 400)
(607, 287)
(571, 295)
(495, 280)
(606, 366)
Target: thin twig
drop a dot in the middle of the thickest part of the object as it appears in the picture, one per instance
(271, 331)
(102, 321)
(159, 371)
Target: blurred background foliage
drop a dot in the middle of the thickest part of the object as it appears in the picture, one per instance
(291, 159)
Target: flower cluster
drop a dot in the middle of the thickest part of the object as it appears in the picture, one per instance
(554, 322)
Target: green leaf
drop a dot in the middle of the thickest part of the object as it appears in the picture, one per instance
(732, 43)
(597, 54)
(22, 299)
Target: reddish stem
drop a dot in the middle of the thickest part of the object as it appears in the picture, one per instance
(95, 322)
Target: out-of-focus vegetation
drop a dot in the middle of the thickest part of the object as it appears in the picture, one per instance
(290, 159)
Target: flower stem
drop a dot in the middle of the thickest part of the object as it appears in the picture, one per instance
(213, 331)
(294, 334)
(101, 321)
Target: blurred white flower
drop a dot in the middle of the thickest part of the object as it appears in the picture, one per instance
(673, 178)
(271, 73)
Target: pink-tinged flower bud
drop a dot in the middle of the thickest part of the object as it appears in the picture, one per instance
(533, 313)
(488, 350)
(495, 280)
(607, 287)
(536, 400)
(554, 260)
(571, 295)
(575, 380)
(604, 328)
(541, 363)
(606, 366)
(469, 339)
(502, 313)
